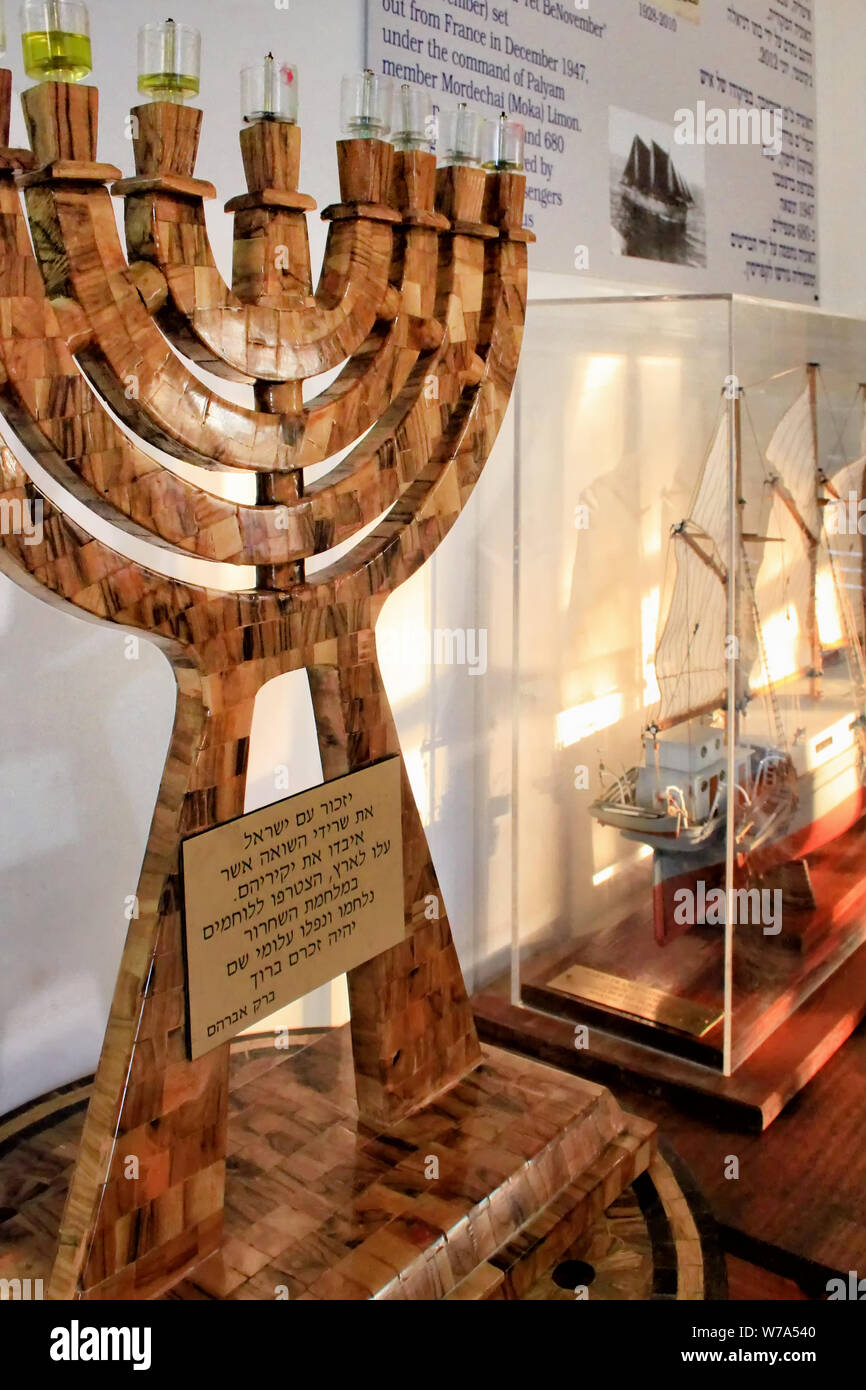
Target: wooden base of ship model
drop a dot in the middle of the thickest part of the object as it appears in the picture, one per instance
(654, 1018)
(798, 1045)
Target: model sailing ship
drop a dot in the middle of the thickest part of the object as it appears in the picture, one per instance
(797, 650)
(652, 183)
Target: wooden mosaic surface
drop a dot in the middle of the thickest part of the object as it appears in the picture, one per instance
(319, 1205)
(422, 296)
(656, 1242)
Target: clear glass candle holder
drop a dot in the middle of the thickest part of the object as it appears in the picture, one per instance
(169, 61)
(55, 40)
(366, 106)
(460, 136)
(269, 92)
(414, 124)
(503, 145)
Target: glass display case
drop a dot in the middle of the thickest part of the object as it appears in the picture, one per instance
(690, 677)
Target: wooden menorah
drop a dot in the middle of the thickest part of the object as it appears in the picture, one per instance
(421, 301)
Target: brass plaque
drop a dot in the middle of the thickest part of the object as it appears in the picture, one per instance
(640, 1001)
(285, 899)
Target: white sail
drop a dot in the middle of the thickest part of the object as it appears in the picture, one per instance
(691, 667)
(844, 538)
(783, 586)
(791, 454)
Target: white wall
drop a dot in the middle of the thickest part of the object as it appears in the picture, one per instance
(84, 730)
(840, 59)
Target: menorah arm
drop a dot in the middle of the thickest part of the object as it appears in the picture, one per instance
(129, 361)
(415, 526)
(376, 374)
(133, 368)
(343, 599)
(367, 483)
(166, 228)
(65, 426)
(399, 447)
(269, 326)
(424, 444)
(267, 342)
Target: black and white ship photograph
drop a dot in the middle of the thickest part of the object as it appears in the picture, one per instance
(657, 201)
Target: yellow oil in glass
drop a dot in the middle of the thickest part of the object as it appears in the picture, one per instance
(53, 55)
(169, 85)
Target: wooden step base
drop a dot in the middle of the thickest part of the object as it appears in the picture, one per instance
(501, 1172)
(544, 1241)
(656, 1242)
(750, 1100)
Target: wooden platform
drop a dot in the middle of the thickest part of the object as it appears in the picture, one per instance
(476, 1196)
(657, 1243)
(798, 1206)
(677, 991)
(748, 1101)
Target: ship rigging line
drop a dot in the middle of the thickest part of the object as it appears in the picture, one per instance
(854, 654)
(769, 483)
(767, 380)
(772, 709)
(839, 427)
(774, 713)
(711, 563)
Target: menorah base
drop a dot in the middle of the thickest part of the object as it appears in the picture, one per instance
(475, 1196)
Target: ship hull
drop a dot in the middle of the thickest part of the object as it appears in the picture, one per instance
(673, 873)
(674, 213)
(832, 801)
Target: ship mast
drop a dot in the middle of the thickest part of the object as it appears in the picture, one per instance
(817, 655)
(863, 548)
(738, 502)
(735, 535)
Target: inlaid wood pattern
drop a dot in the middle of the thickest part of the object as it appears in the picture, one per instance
(478, 1195)
(63, 424)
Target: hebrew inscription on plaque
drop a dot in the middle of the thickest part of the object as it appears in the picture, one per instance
(287, 898)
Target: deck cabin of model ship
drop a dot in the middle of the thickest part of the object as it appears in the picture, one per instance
(778, 667)
(652, 183)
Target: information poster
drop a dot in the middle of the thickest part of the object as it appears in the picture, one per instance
(666, 143)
